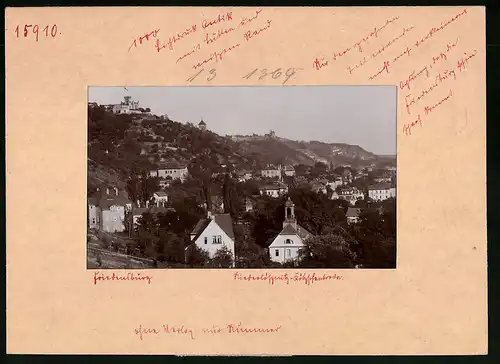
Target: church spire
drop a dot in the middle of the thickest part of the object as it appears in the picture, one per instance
(289, 213)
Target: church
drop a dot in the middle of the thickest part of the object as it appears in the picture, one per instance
(291, 239)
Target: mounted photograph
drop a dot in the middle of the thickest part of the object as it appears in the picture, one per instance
(242, 177)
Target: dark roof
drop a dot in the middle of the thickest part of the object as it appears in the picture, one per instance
(139, 211)
(152, 210)
(380, 186)
(226, 224)
(160, 210)
(109, 200)
(352, 212)
(171, 165)
(289, 229)
(223, 220)
(161, 193)
(202, 123)
(200, 226)
(92, 201)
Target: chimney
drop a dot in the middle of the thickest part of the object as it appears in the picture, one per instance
(209, 215)
(116, 191)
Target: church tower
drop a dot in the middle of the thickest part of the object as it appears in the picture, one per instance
(290, 214)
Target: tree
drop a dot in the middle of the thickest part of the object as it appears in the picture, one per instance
(251, 255)
(230, 197)
(328, 251)
(196, 257)
(379, 252)
(223, 258)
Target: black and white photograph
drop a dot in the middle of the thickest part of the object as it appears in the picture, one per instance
(241, 177)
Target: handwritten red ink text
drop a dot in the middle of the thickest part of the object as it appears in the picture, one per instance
(217, 56)
(216, 35)
(443, 25)
(37, 31)
(142, 331)
(175, 38)
(429, 109)
(318, 64)
(178, 330)
(239, 329)
(250, 34)
(196, 48)
(144, 37)
(220, 18)
(461, 64)
(245, 20)
(407, 127)
(298, 277)
(114, 277)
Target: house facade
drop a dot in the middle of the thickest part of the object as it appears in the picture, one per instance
(289, 171)
(381, 192)
(128, 106)
(352, 215)
(274, 190)
(106, 212)
(161, 198)
(172, 170)
(351, 195)
(286, 246)
(214, 232)
(271, 172)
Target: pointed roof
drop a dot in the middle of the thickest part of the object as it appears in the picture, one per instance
(202, 122)
(298, 230)
(224, 221)
(353, 212)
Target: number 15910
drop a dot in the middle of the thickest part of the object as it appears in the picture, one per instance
(36, 31)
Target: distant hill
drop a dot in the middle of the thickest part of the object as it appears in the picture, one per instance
(121, 144)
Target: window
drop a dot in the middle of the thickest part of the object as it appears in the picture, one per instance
(277, 252)
(288, 252)
(214, 239)
(93, 221)
(219, 239)
(206, 240)
(288, 241)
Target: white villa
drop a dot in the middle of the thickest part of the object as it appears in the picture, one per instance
(173, 170)
(271, 172)
(274, 190)
(214, 232)
(381, 192)
(290, 240)
(161, 198)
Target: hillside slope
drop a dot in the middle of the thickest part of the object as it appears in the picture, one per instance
(119, 145)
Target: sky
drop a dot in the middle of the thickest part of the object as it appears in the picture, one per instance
(357, 115)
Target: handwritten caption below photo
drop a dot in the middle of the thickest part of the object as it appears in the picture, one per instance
(143, 332)
(270, 278)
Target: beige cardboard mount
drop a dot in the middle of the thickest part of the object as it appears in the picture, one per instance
(435, 302)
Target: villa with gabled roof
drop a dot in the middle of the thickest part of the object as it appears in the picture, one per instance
(291, 239)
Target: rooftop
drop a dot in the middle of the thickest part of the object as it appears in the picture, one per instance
(380, 186)
(223, 220)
